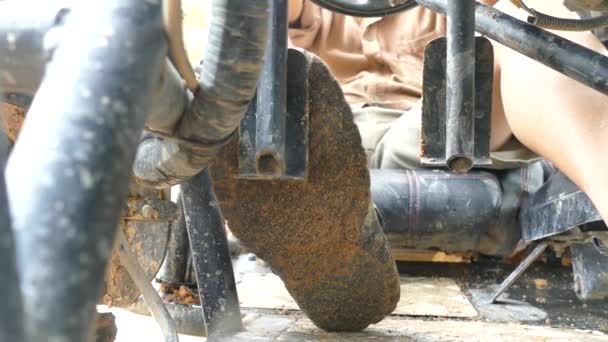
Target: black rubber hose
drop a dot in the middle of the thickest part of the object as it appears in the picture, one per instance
(228, 79)
(366, 8)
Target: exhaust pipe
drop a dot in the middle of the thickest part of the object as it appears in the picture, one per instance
(433, 209)
(477, 212)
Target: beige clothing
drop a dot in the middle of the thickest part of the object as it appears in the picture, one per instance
(377, 61)
(391, 139)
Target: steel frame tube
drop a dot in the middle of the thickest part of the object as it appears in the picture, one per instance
(11, 311)
(23, 41)
(460, 85)
(174, 266)
(211, 257)
(573, 60)
(271, 97)
(154, 302)
(28, 37)
(519, 270)
(169, 104)
(189, 128)
(66, 193)
(434, 209)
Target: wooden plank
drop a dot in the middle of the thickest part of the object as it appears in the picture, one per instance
(401, 252)
(410, 255)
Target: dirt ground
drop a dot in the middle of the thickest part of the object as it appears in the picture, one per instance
(437, 303)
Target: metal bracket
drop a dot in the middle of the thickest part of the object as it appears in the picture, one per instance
(274, 132)
(590, 270)
(557, 207)
(210, 256)
(434, 124)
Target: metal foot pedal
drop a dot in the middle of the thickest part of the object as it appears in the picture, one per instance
(434, 104)
(274, 133)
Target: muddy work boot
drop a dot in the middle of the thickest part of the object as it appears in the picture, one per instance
(320, 235)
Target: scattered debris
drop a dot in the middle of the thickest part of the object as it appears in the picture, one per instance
(566, 260)
(11, 120)
(181, 295)
(541, 284)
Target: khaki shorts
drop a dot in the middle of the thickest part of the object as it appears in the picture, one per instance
(391, 139)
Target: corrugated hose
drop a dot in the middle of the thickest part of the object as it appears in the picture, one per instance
(561, 24)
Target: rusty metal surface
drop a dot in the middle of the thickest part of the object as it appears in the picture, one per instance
(146, 224)
(11, 120)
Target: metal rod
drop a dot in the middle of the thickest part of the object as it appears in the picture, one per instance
(573, 60)
(460, 85)
(128, 259)
(68, 174)
(211, 257)
(188, 318)
(11, 311)
(175, 265)
(521, 268)
(271, 97)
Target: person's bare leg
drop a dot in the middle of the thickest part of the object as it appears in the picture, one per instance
(559, 118)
